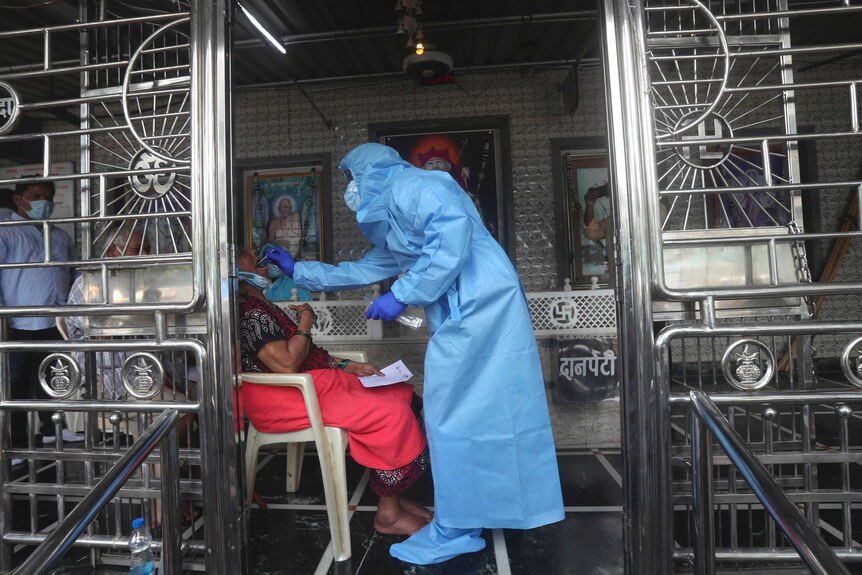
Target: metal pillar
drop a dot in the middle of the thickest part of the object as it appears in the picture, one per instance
(644, 452)
(211, 153)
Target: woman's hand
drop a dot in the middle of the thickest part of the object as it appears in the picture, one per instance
(360, 369)
(306, 313)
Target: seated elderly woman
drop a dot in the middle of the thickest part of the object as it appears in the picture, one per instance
(382, 429)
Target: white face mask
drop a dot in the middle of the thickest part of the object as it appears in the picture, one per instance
(351, 196)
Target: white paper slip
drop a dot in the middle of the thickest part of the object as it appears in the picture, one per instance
(395, 373)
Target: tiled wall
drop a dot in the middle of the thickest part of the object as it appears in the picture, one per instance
(280, 122)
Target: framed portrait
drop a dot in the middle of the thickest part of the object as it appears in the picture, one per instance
(591, 200)
(584, 210)
(286, 203)
(474, 151)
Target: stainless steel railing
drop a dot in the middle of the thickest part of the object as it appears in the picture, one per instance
(162, 432)
(816, 553)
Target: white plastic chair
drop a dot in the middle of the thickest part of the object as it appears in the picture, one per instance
(331, 444)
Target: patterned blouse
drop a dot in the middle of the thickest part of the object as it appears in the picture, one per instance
(261, 323)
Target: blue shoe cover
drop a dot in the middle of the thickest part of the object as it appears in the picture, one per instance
(436, 544)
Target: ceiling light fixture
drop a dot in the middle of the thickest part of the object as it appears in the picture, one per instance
(262, 30)
(420, 39)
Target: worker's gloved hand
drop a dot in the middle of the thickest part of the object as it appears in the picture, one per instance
(386, 307)
(282, 259)
(436, 544)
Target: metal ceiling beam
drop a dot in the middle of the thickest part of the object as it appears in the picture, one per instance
(353, 33)
(381, 75)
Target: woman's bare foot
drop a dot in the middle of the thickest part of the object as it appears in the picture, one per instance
(415, 508)
(394, 519)
(404, 523)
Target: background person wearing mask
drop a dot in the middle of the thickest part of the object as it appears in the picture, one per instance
(42, 286)
(492, 451)
(124, 243)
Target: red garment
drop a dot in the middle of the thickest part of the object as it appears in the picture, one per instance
(381, 428)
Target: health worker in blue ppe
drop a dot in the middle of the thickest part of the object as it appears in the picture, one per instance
(486, 414)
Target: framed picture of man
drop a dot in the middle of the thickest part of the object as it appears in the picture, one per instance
(473, 151)
(287, 204)
(594, 222)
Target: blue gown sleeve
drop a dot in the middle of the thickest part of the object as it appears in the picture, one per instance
(439, 214)
(377, 265)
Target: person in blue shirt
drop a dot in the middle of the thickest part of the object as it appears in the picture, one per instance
(33, 286)
(492, 451)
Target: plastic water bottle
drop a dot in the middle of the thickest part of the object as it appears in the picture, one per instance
(143, 560)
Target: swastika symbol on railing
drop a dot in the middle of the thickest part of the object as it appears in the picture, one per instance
(564, 312)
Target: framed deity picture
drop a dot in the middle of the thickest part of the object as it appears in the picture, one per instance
(286, 203)
(474, 151)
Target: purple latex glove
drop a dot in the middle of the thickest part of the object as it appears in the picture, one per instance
(386, 307)
(282, 259)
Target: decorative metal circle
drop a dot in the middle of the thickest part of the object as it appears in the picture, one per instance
(564, 312)
(137, 125)
(143, 375)
(745, 369)
(705, 108)
(9, 108)
(59, 375)
(703, 156)
(152, 134)
(852, 367)
(151, 186)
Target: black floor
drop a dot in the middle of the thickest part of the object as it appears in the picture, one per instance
(292, 535)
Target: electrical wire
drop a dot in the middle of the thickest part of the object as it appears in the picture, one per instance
(39, 5)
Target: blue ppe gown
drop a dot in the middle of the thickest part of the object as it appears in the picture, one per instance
(489, 433)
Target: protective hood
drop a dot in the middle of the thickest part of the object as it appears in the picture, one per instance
(374, 167)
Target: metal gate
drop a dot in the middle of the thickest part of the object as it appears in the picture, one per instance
(146, 143)
(713, 115)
